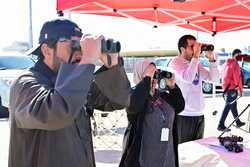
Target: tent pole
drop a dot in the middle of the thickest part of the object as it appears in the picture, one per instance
(69, 16)
(214, 28)
(30, 25)
(214, 84)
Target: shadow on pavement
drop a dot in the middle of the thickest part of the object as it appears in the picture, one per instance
(108, 156)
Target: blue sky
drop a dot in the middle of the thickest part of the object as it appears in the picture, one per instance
(133, 35)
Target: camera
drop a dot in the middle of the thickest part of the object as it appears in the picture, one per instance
(110, 46)
(160, 75)
(207, 47)
(231, 143)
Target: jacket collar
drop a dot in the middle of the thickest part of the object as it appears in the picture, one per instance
(42, 68)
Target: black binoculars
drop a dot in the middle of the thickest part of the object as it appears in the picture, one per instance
(207, 47)
(110, 46)
(107, 46)
(161, 75)
(231, 143)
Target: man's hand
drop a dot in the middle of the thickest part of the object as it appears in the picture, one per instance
(113, 58)
(197, 50)
(91, 49)
(211, 56)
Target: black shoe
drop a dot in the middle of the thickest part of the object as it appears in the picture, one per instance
(240, 124)
(223, 128)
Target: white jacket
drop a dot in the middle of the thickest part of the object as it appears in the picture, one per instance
(189, 76)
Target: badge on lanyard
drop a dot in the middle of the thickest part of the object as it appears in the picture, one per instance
(164, 134)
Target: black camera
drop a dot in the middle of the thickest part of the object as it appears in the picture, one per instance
(110, 46)
(207, 47)
(160, 75)
(231, 143)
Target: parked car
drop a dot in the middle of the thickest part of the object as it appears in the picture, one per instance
(245, 71)
(207, 86)
(11, 66)
(162, 63)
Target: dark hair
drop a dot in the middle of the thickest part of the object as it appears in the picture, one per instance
(183, 41)
(152, 63)
(50, 43)
(236, 51)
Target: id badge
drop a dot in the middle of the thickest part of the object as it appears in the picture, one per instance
(164, 134)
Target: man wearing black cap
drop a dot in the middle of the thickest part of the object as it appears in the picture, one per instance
(49, 123)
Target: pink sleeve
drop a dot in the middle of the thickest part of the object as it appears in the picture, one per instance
(186, 72)
(225, 76)
(237, 77)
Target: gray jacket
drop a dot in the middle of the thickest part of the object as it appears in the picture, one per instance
(49, 125)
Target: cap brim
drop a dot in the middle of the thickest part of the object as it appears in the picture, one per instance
(35, 50)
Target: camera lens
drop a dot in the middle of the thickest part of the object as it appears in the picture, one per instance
(109, 46)
(162, 84)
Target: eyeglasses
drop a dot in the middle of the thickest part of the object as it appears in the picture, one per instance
(63, 39)
(72, 38)
(75, 44)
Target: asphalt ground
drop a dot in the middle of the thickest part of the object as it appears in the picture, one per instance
(108, 142)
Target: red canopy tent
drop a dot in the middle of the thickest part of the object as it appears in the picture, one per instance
(209, 16)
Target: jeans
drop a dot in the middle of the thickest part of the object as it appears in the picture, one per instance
(230, 96)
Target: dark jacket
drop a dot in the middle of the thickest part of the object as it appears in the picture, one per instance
(142, 145)
(49, 125)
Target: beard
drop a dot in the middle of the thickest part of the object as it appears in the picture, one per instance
(56, 62)
(76, 57)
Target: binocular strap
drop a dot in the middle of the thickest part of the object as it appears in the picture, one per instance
(109, 60)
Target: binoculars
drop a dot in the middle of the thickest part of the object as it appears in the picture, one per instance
(231, 143)
(207, 47)
(160, 75)
(110, 46)
(107, 46)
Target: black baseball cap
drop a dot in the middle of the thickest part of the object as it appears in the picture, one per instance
(54, 30)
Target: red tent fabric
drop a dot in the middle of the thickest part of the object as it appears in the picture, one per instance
(210, 16)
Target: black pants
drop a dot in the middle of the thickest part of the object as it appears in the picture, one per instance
(4, 112)
(190, 128)
(230, 96)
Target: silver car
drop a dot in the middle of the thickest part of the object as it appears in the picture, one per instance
(11, 66)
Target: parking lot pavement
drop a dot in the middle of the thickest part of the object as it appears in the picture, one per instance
(4, 142)
(106, 157)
